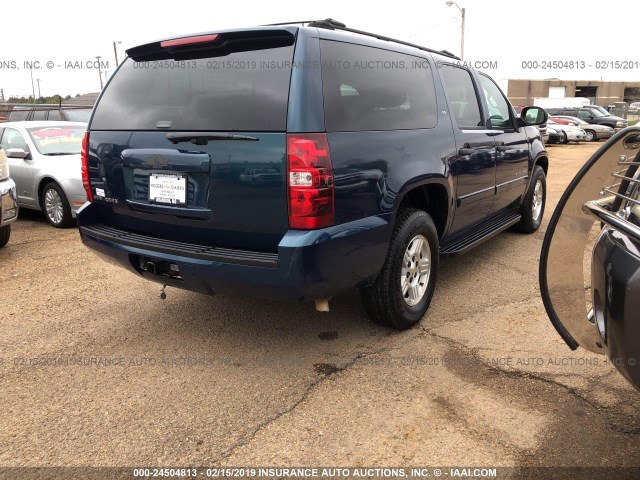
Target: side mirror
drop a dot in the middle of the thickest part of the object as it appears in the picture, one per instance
(17, 153)
(534, 116)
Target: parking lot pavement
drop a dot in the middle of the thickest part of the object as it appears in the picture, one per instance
(98, 370)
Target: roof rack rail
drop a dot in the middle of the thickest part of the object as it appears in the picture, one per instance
(332, 24)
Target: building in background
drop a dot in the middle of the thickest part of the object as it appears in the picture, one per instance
(523, 92)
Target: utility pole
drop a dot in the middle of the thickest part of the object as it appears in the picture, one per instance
(39, 94)
(463, 13)
(33, 88)
(100, 72)
(115, 50)
(2, 95)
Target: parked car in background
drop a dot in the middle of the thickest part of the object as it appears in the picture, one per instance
(8, 200)
(39, 112)
(570, 133)
(593, 131)
(44, 159)
(591, 114)
(598, 214)
(634, 108)
(380, 170)
(555, 135)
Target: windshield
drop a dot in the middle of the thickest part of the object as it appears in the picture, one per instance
(57, 140)
(599, 112)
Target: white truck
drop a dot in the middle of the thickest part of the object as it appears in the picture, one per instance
(574, 102)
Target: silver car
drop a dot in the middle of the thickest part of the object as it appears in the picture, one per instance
(44, 161)
(8, 202)
(593, 131)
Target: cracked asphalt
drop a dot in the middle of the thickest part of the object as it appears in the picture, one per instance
(97, 370)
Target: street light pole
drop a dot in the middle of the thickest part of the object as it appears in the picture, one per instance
(100, 72)
(115, 50)
(39, 94)
(33, 88)
(463, 13)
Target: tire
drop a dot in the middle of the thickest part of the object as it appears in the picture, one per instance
(56, 206)
(565, 138)
(532, 208)
(5, 233)
(384, 300)
(590, 136)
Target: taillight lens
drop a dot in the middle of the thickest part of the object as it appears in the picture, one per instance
(85, 166)
(310, 181)
(185, 41)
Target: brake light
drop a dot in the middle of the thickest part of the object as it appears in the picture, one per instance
(86, 183)
(181, 42)
(309, 181)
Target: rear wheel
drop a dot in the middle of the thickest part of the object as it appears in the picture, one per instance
(532, 208)
(5, 233)
(401, 294)
(590, 136)
(56, 206)
(565, 138)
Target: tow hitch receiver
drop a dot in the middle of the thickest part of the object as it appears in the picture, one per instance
(160, 268)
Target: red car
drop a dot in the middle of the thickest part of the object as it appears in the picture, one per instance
(562, 121)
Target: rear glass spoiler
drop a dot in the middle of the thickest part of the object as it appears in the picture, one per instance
(212, 45)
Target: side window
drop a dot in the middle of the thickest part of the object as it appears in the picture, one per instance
(369, 88)
(583, 114)
(463, 101)
(12, 138)
(499, 111)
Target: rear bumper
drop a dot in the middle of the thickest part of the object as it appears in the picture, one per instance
(8, 202)
(308, 264)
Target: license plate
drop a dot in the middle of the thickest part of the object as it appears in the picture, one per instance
(170, 189)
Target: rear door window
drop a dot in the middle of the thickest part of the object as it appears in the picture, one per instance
(462, 96)
(369, 88)
(245, 90)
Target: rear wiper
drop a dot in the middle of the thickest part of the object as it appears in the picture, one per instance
(202, 138)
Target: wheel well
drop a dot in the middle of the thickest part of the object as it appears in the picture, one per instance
(432, 199)
(544, 163)
(41, 185)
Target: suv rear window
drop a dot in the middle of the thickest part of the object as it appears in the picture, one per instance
(244, 90)
(368, 88)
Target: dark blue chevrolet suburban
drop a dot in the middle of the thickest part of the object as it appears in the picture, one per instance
(304, 160)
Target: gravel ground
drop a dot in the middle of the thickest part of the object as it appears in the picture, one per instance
(229, 380)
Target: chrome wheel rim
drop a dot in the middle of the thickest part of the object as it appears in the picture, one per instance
(538, 200)
(53, 206)
(416, 270)
(589, 136)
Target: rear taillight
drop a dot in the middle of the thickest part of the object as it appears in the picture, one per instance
(85, 166)
(309, 181)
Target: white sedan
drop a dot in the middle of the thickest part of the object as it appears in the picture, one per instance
(44, 161)
(571, 133)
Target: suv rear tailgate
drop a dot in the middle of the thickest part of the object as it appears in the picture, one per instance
(189, 144)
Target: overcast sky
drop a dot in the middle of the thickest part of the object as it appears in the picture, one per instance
(502, 31)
